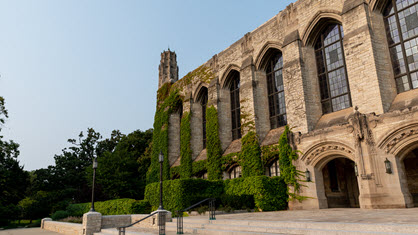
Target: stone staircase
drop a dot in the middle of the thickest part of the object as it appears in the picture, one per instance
(260, 227)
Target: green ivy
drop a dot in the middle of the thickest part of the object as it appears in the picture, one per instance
(185, 147)
(168, 101)
(202, 73)
(229, 160)
(199, 167)
(213, 144)
(269, 153)
(250, 155)
(288, 171)
(175, 171)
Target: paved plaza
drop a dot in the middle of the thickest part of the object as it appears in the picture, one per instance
(341, 215)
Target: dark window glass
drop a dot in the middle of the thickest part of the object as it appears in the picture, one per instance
(235, 172)
(275, 89)
(401, 23)
(204, 103)
(333, 177)
(235, 106)
(274, 169)
(332, 75)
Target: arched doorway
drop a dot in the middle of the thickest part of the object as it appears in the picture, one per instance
(410, 163)
(340, 183)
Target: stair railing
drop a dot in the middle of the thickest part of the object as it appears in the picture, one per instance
(180, 213)
(161, 223)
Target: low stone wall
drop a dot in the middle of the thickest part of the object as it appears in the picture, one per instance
(94, 222)
(148, 223)
(113, 221)
(62, 227)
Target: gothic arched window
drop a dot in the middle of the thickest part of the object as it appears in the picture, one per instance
(401, 21)
(235, 106)
(275, 89)
(204, 103)
(332, 74)
(235, 172)
(274, 169)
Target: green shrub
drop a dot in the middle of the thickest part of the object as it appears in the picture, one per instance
(60, 215)
(260, 192)
(112, 207)
(270, 194)
(181, 193)
(237, 202)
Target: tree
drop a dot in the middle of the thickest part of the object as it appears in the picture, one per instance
(13, 179)
(122, 173)
(70, 167)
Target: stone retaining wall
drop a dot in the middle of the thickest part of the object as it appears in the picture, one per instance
(113, 221)
(62, 227)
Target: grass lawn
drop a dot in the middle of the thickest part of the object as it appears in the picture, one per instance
(22, 224)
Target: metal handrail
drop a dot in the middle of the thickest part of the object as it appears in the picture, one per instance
(196, 204)
(180, 213)
(122, 228)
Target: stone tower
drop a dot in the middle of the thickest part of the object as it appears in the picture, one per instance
(168, 69)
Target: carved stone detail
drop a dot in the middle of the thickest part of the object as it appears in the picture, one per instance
(324, 148)
(399, 137)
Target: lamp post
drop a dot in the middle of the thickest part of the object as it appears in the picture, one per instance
(92, 190)
(308, 175)
(161, 160)
(388, 166)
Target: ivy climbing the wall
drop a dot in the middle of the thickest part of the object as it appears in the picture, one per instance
(288, 171)
(168, 101)
(213, 144)
(185, 147)
(250, 156)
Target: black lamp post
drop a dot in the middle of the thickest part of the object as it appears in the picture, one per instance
(94, 178)
(161, 160)
(308, 175)
(388, 166)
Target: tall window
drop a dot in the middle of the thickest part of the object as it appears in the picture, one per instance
(204, 103)
(235, 172)
(401, 21)
(277, 107)
(333, 82)
(235, 106)
(274, 169)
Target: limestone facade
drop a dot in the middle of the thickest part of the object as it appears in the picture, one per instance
(345, 151)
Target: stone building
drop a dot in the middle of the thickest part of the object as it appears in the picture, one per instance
(343, 75)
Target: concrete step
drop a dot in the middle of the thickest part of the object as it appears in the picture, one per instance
(291, 227)
(259, 227)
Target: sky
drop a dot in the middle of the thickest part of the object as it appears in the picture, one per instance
(67, 65)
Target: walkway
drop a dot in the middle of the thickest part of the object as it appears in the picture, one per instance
(342, 215)
(26, 231)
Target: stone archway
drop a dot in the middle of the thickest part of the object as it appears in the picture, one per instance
(411, 172)
(340, 183)
(403, 144)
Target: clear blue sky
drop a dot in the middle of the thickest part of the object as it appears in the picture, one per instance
(72, 64)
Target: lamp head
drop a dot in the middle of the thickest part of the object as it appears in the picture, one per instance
(95, 163)
(388, 166)
(161, 157)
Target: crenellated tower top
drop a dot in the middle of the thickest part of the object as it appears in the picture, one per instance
(168, 69)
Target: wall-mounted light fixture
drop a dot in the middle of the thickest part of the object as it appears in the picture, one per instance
(355, 169)
(388, 166)
(308, 175)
